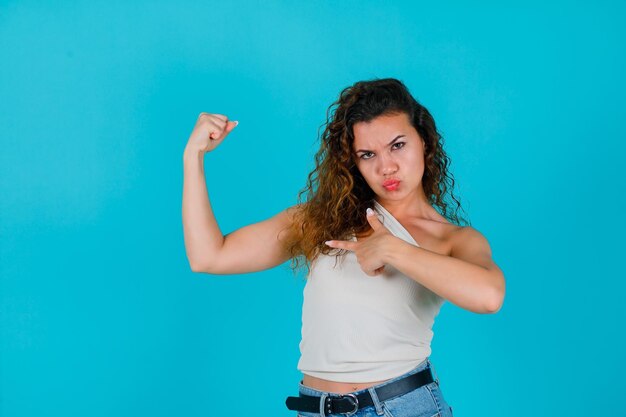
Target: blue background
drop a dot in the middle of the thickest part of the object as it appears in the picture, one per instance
(100, 313)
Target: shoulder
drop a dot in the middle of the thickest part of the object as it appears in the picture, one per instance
(291, 213)
(463, 237)
(462, 233)
(288, 219)
(469, 244)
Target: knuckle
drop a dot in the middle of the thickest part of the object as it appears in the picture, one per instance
(215, 124)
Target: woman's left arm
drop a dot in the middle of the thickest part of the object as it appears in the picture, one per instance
(468, 277)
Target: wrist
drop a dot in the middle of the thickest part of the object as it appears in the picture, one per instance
(393, 246)
(191, 154)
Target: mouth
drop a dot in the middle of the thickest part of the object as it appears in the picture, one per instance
(391, 184)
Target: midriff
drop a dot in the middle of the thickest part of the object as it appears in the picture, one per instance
(334, 386)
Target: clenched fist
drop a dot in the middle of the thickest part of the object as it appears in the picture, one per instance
(209, 131)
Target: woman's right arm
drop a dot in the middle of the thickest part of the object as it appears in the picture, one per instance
(251, 248)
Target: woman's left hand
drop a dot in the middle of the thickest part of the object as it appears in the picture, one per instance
(370, 252)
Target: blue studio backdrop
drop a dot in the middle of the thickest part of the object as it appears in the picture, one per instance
(100, 313)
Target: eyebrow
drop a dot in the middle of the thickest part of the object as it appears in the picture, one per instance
(389, 144)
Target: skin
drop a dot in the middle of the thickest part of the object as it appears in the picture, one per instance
(452, 261)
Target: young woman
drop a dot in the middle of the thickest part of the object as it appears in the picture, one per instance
(376, 203)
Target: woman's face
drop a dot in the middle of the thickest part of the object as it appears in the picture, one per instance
(389, 153)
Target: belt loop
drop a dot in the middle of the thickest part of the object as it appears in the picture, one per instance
(377, 403)
(322, 403)
(432, 368)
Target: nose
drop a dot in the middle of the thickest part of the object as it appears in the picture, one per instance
(387, 165)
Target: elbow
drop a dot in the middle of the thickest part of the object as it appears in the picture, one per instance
(197, 267)
(496, 300)
(494, 305)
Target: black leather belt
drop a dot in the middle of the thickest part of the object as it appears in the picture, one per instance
(349, 404)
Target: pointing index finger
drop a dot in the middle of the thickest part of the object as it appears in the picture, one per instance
(341, 244)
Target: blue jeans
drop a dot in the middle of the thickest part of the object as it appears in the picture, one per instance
(425, 401)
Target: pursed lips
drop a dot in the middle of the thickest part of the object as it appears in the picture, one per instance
(390, 181)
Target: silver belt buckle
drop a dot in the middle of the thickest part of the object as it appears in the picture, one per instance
(356, 405)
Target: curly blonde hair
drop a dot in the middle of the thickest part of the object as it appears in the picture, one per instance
(337, 194)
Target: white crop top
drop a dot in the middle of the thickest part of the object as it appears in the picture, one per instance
(361, 328)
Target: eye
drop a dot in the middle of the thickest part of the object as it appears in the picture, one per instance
(392, 146)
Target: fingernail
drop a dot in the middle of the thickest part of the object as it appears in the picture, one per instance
(369, 211)
(327, 242)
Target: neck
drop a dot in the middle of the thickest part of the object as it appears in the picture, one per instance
(413, 205)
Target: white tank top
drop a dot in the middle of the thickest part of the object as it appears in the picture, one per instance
(359, 328)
